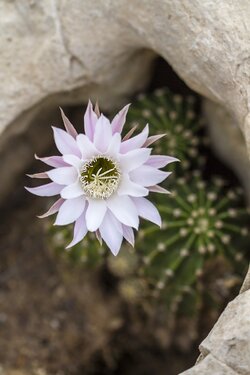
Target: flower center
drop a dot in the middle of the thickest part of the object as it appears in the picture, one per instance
(100, 177)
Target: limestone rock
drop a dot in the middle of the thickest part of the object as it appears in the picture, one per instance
(58, 52)
(210, 366)
(227, 346)
(228, 142)
(246, 283)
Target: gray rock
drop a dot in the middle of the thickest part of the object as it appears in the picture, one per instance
(58, 52)
(227, 347)
(246, 284)
(210, 366)
(228, 142)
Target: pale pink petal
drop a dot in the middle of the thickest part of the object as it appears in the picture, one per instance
(119, 120)
(134, 159)
(158, 189)
(72, 191)
(114, 146)
(38, 175)
(135, 142)
(128, 234)
(152, 139)
(63, 175)
(127, 187)
(70, 211)
(115, 222)
(86, 147)
(68, 126)
(124, 210)
(147, 210)
(73, 160)
(90, 119)
(65, 143)
(95, 213)
(103, 134)
(53, 209)
(98, 236)
(130, 133)
(48, 190)
(97, 110)
(160, 161)
(80, 231)
(148, 176)
(53, 161)
(110, 234)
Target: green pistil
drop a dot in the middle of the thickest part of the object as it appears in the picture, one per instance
(100, 177)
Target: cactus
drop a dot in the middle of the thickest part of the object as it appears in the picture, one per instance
(176, 117)
(203, 220)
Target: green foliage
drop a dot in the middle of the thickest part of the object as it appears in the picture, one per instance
(176, 117)
(203, 219)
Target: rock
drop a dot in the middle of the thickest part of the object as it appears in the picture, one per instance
(53, 54)
(228, 142)
(199, 39)
(227, 346)
(246, 283)
(62, 53)
(210, 366)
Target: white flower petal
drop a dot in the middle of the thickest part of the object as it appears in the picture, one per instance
(160, 161)
(68, 126)
(86, 147)
(124, 210)
(90, 119)
(53, 161)
(133, 159)
(70, 211)
(63, 175)
(95, 213)
(73, 160)
(148, 176)
(127, 187)
(80, 231)
(130, 133)
(72, 191)
(65, 143)
(53, 209)
(110, 234)
(158, 189)
(114, 146)
(98, 236)
(128, 234)
(147, 210)
(38, 175)
(119, 120)
(116, 223)
(48, 190)
(153, 139)
(135, 142)
(103, 134)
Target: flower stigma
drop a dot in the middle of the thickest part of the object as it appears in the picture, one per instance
(100, 177)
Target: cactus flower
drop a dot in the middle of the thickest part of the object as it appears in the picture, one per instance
(103, 180)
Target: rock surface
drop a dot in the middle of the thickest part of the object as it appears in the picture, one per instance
(210, 366)
(59, 52)
(226, 349)
(228, 142)
(246, 284)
